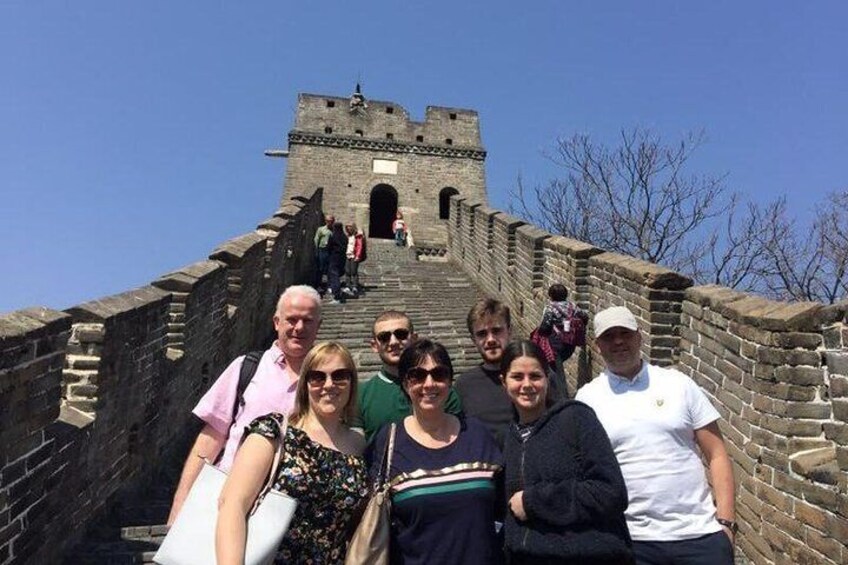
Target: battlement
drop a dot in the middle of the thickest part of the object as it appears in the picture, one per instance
(387, 121)
(95, 400)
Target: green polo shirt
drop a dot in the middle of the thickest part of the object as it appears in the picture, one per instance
(322, 237)
(381, 400)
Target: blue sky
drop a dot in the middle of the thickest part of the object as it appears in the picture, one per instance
(131, 134)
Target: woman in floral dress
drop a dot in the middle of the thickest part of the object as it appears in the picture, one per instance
(322, 467)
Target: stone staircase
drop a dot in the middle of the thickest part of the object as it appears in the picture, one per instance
(436, 296)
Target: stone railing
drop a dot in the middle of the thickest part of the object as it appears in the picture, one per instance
(777, 372)
(94, 398)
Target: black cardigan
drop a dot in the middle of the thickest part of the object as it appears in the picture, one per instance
(574, 494)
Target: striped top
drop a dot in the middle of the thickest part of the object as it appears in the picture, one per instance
(445, 500)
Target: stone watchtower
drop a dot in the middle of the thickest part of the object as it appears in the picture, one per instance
(372, 161)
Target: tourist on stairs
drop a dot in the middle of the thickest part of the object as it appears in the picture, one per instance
(322, 256)
(354, 254)
(443, 471)
(336, 262)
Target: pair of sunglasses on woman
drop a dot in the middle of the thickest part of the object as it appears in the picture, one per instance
(339, 377)
(417, 375)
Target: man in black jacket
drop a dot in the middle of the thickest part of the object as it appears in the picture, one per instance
(480, 388)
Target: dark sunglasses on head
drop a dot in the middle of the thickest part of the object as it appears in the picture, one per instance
(418, 375)
(339, 376)
(400, 334)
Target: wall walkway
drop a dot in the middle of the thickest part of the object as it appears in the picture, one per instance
(92, 397)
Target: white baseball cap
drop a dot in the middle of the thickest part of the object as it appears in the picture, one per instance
(614, 317)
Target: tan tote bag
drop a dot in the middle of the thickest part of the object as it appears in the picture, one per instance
(370, 542)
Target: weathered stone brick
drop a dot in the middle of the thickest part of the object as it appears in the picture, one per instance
(803, 340)
(749, 350)
(837, 432)
(756, 547)
(765, 372)
(783, 391)
(775, 356)
(799, 375)
(823, 544)
(840, 409)
(693, 310)
(838, 386)
(821, 495)
(730, 370)
(803, 428)
(775, 497)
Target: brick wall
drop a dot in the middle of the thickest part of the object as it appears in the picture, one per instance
(777, 372)
(92, 400)
(32, 344)
(766, 368)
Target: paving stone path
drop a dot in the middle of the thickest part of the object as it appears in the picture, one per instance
(437, 297)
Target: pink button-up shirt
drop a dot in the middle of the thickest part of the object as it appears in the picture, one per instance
(272, 389)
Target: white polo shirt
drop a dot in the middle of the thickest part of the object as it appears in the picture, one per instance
(651, 422)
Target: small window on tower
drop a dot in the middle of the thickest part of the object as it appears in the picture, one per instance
(452, 115)
(390, 110)
(328, 129)
(360, 133)
(448, 141)
(390, 136)
(331, 103)
(419, 138)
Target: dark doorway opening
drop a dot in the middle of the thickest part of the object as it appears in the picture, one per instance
(444, 201)
(384, 205)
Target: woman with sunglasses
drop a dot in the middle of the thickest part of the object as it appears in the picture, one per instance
(322, 466)
(566, 496)
(443, 471)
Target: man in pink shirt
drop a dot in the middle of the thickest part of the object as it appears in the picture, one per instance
(272, 388)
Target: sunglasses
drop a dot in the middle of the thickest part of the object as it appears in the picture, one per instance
(400, 334)
(417, 375)
(339, 376)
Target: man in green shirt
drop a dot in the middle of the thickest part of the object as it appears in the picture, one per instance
(322, 253)
(381, 399)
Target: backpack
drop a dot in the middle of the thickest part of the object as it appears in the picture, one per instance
(576, 332)
(248, 369)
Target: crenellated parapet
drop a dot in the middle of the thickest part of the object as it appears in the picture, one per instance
(777, 372)
(95, 399)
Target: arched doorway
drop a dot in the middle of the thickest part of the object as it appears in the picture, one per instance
(444, 201)
(384, 205)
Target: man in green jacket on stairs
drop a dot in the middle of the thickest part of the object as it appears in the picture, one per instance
(381, 399)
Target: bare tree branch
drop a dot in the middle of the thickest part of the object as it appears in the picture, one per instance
(640, 199)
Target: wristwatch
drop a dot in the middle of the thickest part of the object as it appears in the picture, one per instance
(732, 525)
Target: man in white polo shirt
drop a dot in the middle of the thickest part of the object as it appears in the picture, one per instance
(659, 423)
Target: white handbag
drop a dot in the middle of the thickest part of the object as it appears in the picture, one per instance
(191, 540)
